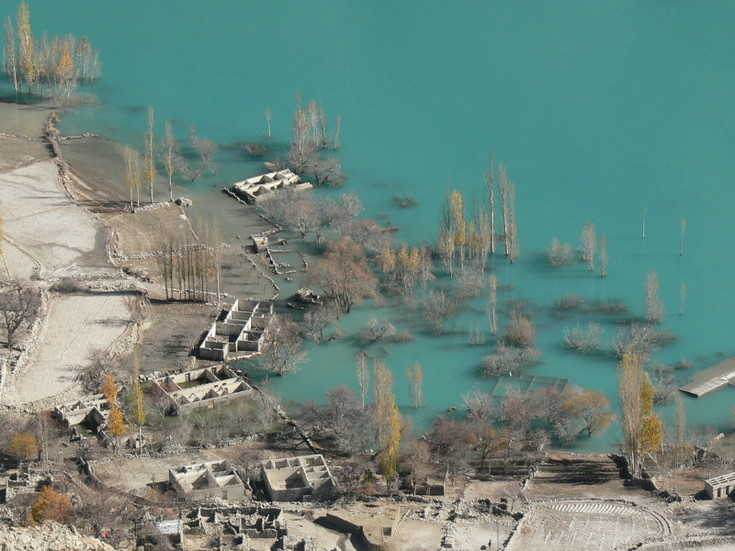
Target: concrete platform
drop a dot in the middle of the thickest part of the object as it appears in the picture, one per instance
(711, 378)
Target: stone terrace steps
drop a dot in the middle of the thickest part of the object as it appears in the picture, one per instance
(577, 471)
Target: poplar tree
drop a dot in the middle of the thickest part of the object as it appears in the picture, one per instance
(459, 234)
(415, 374)
(604, 259)
(492, 303)
(110, 389)
(28, 68)
(132, 172)
(116, 424)
(150, 160)
(10, 57)
(654, 304)
(387, 422)
(363, 374)
(589, 245)
(683, 231)
(490, 185)
(643, 430)
(138, 403)
(170, 152)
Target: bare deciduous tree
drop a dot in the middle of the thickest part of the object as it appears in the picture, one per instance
(654, 304)
(438, 307)
(589, 245)
(604, 259)
(585, 339)
(19, 304)
(283, 349)
(415, 374)
(560, 254)
(363, 374)
(344, 274)
(132, 172)
(150, 158)
(169, 153)
(492, 303)
(10, 57)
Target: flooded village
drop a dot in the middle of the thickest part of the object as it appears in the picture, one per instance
(149, 331)
(217, 463)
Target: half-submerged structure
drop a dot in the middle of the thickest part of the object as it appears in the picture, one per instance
(256, 188)
(712, 378)
(239, 330)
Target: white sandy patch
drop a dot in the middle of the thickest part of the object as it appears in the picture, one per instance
(76, 325)
(41, 224)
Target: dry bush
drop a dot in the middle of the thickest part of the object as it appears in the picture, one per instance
(664, 383)
(520, 331)
(585, 339)
(560, 254)
(642, 339)
(506, 359)
(376, 331)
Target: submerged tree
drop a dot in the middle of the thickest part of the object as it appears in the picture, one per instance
(51, 67)
(589, 245)
(10, 57)
(415, 374)
(683, 231)
(492, 303)
(604, 259)
(169, 154)
(490, 185)
(344, 274)
(283, 348)
(150, 160)
(363, 374)
(654, 304)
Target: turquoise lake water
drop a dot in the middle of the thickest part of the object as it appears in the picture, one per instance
(599, 111)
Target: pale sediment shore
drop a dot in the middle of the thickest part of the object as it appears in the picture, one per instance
(80, 229)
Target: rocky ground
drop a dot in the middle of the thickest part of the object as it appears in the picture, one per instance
(48, 537)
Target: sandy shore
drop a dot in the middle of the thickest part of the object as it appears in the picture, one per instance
(44, 229)
(51, 233)
(47, 237)
(76, 325)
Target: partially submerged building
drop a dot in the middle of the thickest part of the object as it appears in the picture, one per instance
(257, 188)
(207, 480)
(239, 330)
(720, 486)
(203, 387)
(303, 478)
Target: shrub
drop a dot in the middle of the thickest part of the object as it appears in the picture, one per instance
(51, 505)
(24, 446)
(66, 285)
(505, 359)
(584, 339)
(520, 332)
(560, 254)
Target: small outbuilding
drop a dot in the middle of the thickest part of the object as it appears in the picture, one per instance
(720, 486)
